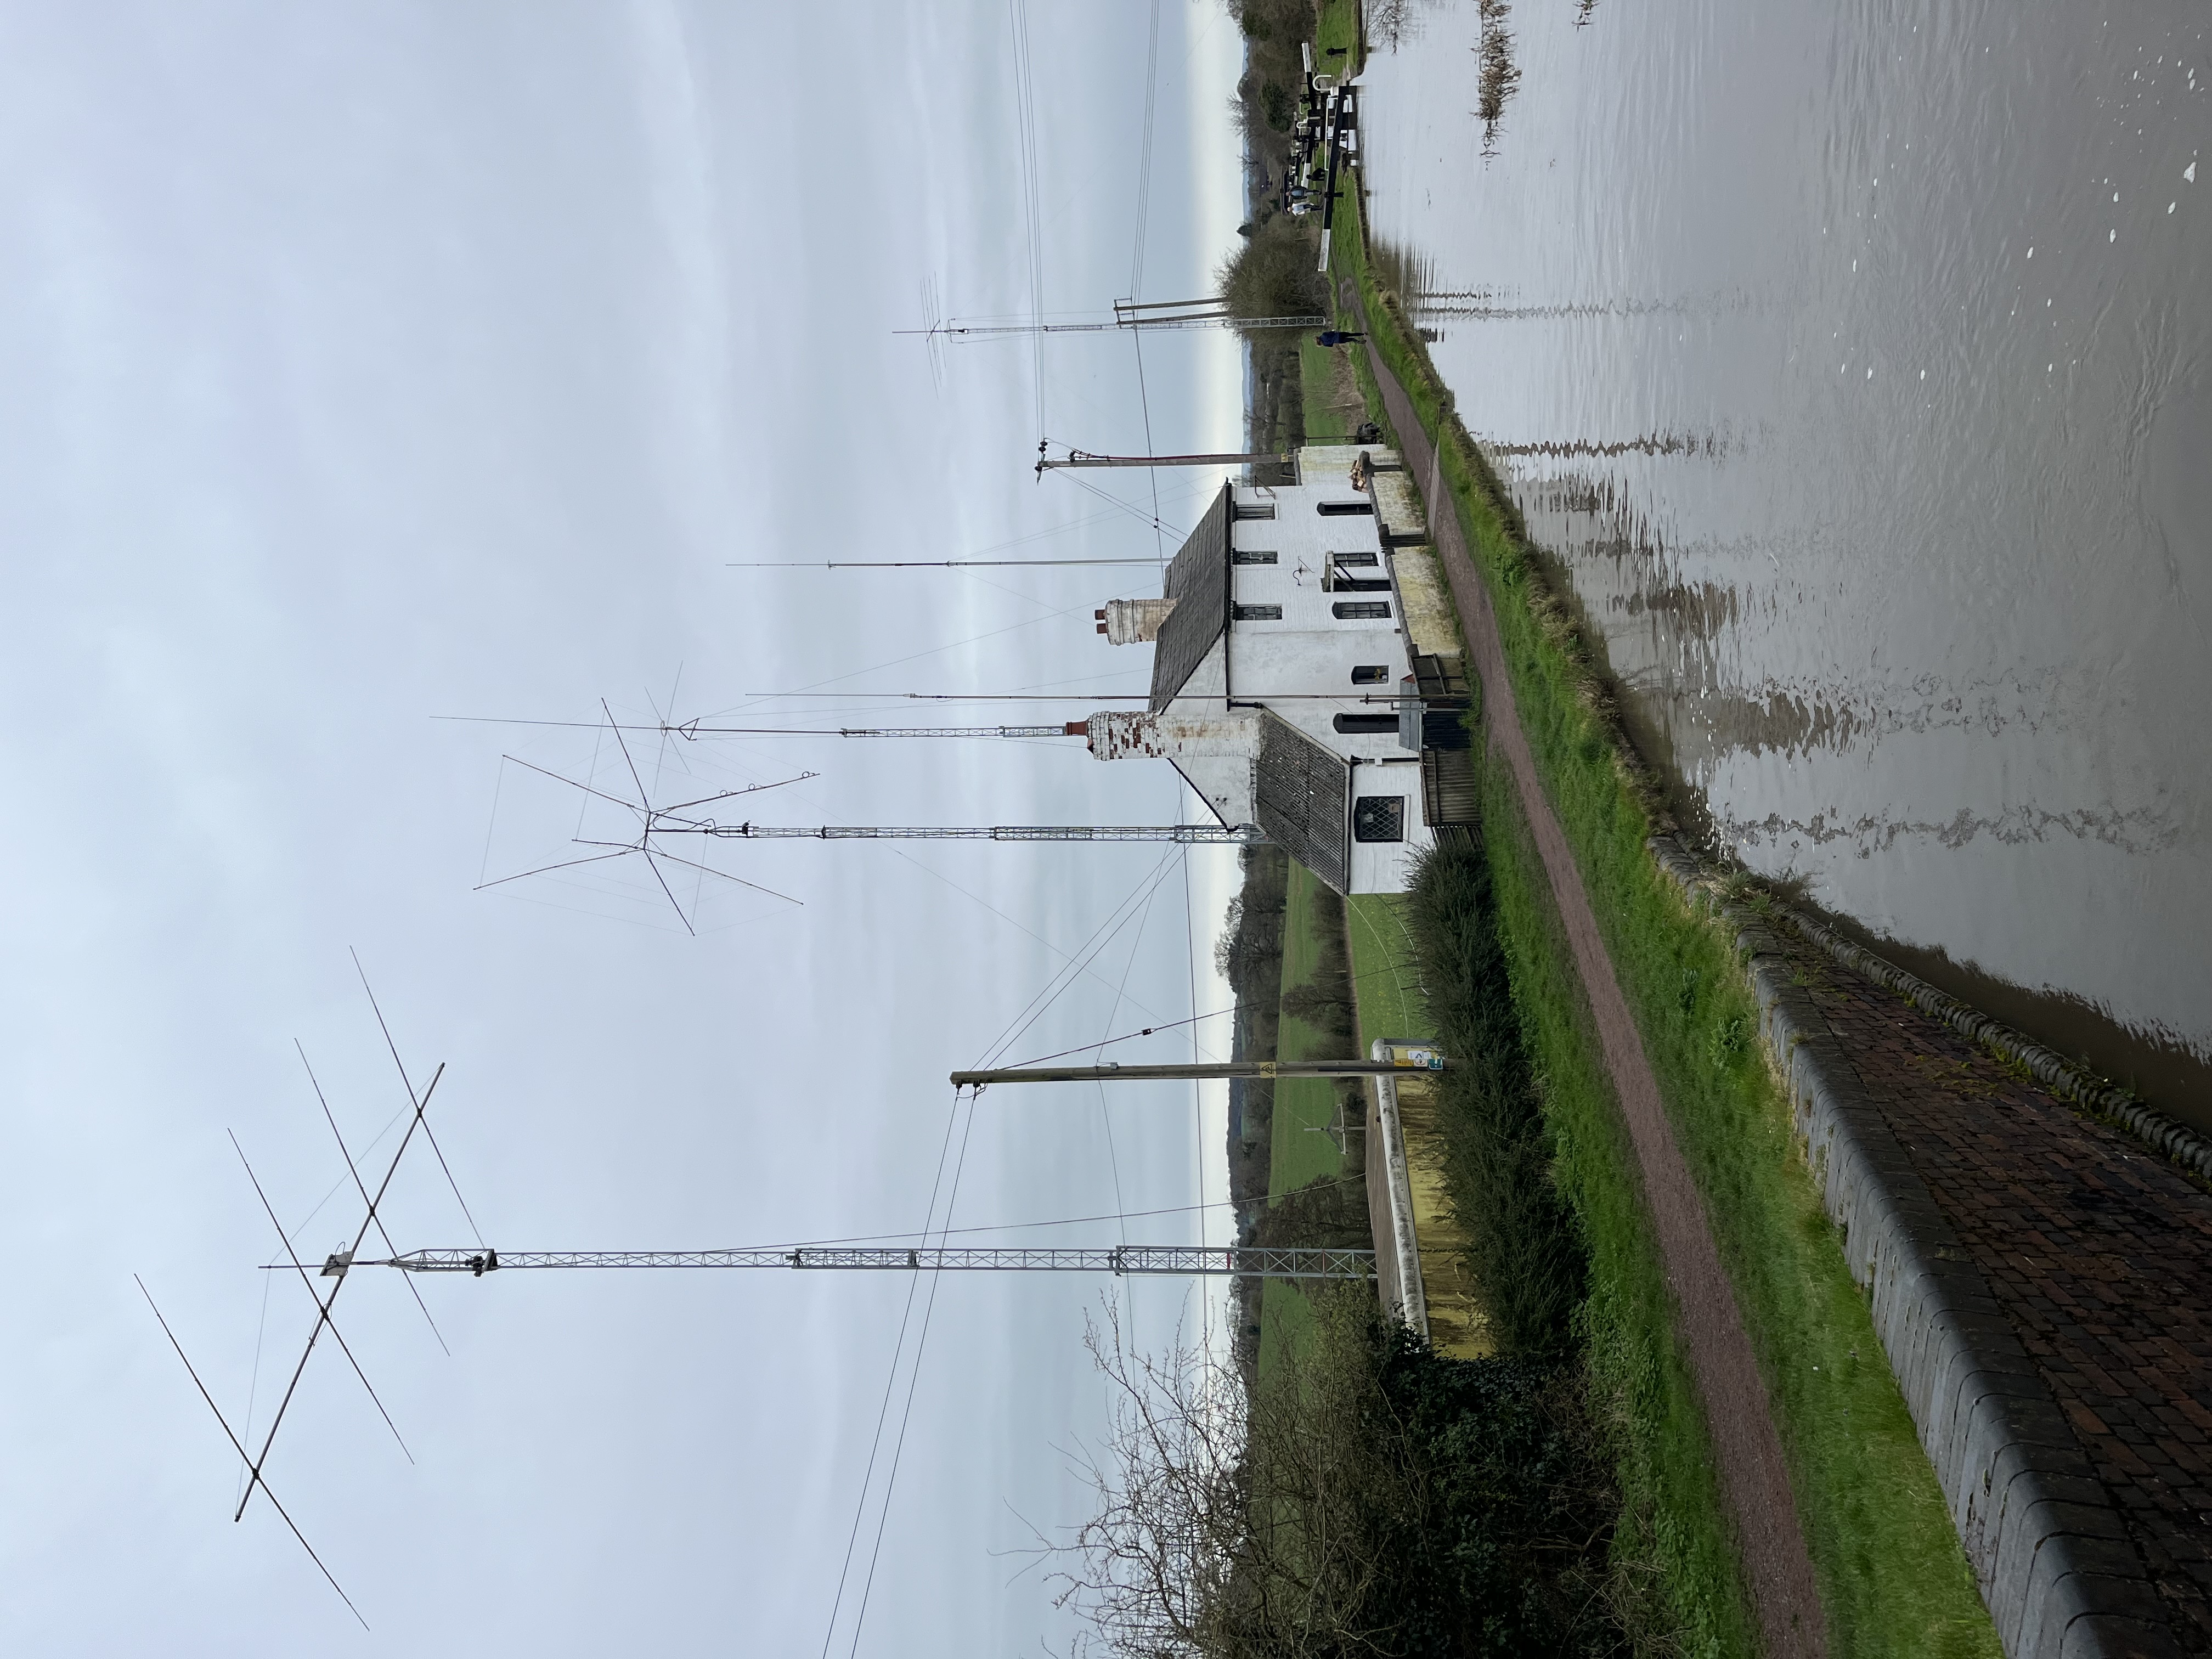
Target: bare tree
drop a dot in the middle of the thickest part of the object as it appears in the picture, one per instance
(1368, 1499)
(1232, 1527)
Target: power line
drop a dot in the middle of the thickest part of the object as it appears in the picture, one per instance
(930, 564)
(913, 1385)
(1137, 256)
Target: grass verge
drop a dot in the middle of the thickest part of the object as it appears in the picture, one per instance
(1892, 1577)
(1639, 1378)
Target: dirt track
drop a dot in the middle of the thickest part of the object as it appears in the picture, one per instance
(1754, 1477)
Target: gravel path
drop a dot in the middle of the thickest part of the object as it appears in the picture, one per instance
(1754, 1477)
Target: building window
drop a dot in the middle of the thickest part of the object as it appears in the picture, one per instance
(1350, 723)
(1336, 579)
(1372, 674)
(1256, 509)
(1255, 613)
(1378, 817)
(1249, 556)
(1361, 610)
(1339, 510)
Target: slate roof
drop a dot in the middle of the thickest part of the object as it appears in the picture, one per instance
(1305, 794)
(1198, 580)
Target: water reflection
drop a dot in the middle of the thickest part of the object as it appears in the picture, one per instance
(1894, 522)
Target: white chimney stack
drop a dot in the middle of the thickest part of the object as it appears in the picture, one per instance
(1132, 622)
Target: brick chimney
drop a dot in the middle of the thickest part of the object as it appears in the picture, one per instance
(1118, 735)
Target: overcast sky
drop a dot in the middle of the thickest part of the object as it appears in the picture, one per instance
(362, 363)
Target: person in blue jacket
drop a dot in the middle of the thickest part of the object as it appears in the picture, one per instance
(1337, 336)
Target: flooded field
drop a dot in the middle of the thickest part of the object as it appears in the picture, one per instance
(1855, 364)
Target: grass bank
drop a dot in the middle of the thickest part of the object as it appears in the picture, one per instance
(1892, 1577)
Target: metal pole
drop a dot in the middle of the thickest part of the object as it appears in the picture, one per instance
(1189, 835)
(1216, 303)
(1410, 1059)
(1081, 458)
(1208, 320)
(1251, 1262)
(920, 564)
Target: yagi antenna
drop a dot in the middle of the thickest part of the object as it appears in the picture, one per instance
(335, 1270)
(684, 817)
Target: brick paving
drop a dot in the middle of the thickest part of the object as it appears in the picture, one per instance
(2098, 1250)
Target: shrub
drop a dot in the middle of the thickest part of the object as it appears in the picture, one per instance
(1525, 1255)
(1271, 273)
(1371, 1499)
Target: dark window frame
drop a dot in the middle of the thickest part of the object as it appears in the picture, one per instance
(1343, 509)
(1362, 611)
(1251, 555)
(1353, 724)
(1255, 613)
(1379, 820)
(1371, 673)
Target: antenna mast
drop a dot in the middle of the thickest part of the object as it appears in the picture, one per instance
(1189, 835)
(1131, 315)
(1243, 1261)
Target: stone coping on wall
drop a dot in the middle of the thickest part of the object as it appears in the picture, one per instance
(1390, 1204)
(2045, 1541)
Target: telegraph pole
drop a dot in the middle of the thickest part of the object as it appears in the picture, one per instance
(1083, 458)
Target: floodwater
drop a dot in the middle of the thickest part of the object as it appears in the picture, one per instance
(1855, 361)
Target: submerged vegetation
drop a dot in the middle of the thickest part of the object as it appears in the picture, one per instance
(1499, 75)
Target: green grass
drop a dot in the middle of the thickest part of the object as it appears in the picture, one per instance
(1892, 1577)
(1671, 1512)
(1319, 369)
(1303, 1103)
(1337, 25)
(1383, 971)
(1296, 1156)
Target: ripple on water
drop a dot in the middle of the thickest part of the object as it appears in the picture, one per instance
(1864, 397)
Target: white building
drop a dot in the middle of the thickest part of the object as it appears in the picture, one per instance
(1307, 671)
